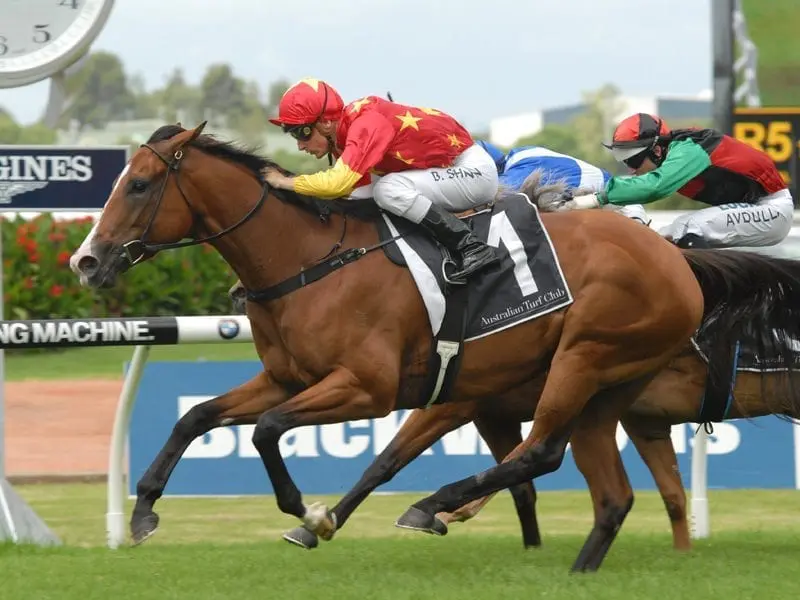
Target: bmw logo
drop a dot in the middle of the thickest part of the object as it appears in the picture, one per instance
(228, 329)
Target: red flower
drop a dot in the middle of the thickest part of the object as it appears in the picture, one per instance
(63, 257)
(56, 290)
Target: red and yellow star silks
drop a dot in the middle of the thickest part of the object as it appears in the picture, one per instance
(375, 135)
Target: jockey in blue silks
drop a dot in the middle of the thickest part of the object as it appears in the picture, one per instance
(515, 166)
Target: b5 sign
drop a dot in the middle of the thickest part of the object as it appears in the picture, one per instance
(773, 130)
(329, 459)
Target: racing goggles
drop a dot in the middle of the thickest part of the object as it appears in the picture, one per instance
(635, 161)
(301, 133)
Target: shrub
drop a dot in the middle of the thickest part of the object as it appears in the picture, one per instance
(38, 283)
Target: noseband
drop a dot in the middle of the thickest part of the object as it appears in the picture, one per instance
(136, 250)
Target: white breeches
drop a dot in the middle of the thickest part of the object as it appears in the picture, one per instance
(472, 180)
(765, 223)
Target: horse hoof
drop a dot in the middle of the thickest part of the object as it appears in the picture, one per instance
(143, 528)
(531, 539)
(320, 520)
(417, 520)
(300, 536)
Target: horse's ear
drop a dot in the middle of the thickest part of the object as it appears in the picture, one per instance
(197, 131)
(187, 137)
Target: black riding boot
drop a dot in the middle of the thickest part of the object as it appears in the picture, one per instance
(691, 240)
(470, 253)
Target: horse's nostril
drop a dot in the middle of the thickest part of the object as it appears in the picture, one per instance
(88, 265)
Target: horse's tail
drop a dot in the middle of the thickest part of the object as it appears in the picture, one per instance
(753, 297)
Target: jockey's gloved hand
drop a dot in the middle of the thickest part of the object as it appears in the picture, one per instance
(566, 201)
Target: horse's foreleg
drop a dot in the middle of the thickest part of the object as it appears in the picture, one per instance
(654, 444)
(422, 428)
(502, 436)
(339, 397)
(242, 405)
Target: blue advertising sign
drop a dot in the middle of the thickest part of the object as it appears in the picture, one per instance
(329, 459)
(58, 178)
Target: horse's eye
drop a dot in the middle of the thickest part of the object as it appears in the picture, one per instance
(138, 186)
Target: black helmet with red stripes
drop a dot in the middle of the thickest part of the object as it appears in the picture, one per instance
(636, 135)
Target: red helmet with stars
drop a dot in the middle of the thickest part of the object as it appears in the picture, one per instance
(308, 101)
(636, 134)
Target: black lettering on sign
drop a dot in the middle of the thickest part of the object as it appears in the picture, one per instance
(89, 332)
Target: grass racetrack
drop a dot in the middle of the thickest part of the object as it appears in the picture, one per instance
(230, 548)
(108, 361)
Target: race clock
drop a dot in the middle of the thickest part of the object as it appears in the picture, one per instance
(39, 38)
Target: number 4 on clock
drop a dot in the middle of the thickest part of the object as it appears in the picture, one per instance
(69, 3)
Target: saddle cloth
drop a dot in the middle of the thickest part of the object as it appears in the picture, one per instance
(527, 283)
(744, 357)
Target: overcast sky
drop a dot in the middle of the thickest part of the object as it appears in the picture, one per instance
(477, 59)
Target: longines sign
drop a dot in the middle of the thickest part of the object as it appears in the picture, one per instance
(53, 178)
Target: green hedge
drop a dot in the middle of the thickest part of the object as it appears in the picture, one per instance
(38, 283)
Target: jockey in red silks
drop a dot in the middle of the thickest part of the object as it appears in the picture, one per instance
(417, 163)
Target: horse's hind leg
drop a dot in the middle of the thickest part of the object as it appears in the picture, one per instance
(654, 444)
(502, 436)
(562, 400)
(596, 455)
(242, 405)
(560, 408)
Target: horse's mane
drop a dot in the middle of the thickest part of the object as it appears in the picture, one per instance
(253, 161)
(536, 188)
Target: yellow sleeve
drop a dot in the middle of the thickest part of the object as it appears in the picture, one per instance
(335, 182)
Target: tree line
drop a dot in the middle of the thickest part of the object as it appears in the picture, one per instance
(101, 91)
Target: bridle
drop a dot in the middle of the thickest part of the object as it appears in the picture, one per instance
(136, 250)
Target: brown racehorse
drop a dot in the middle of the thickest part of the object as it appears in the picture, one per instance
(353, 344)
(676, 390)
(673, 397)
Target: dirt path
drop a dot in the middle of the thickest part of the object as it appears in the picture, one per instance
(59, 427)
